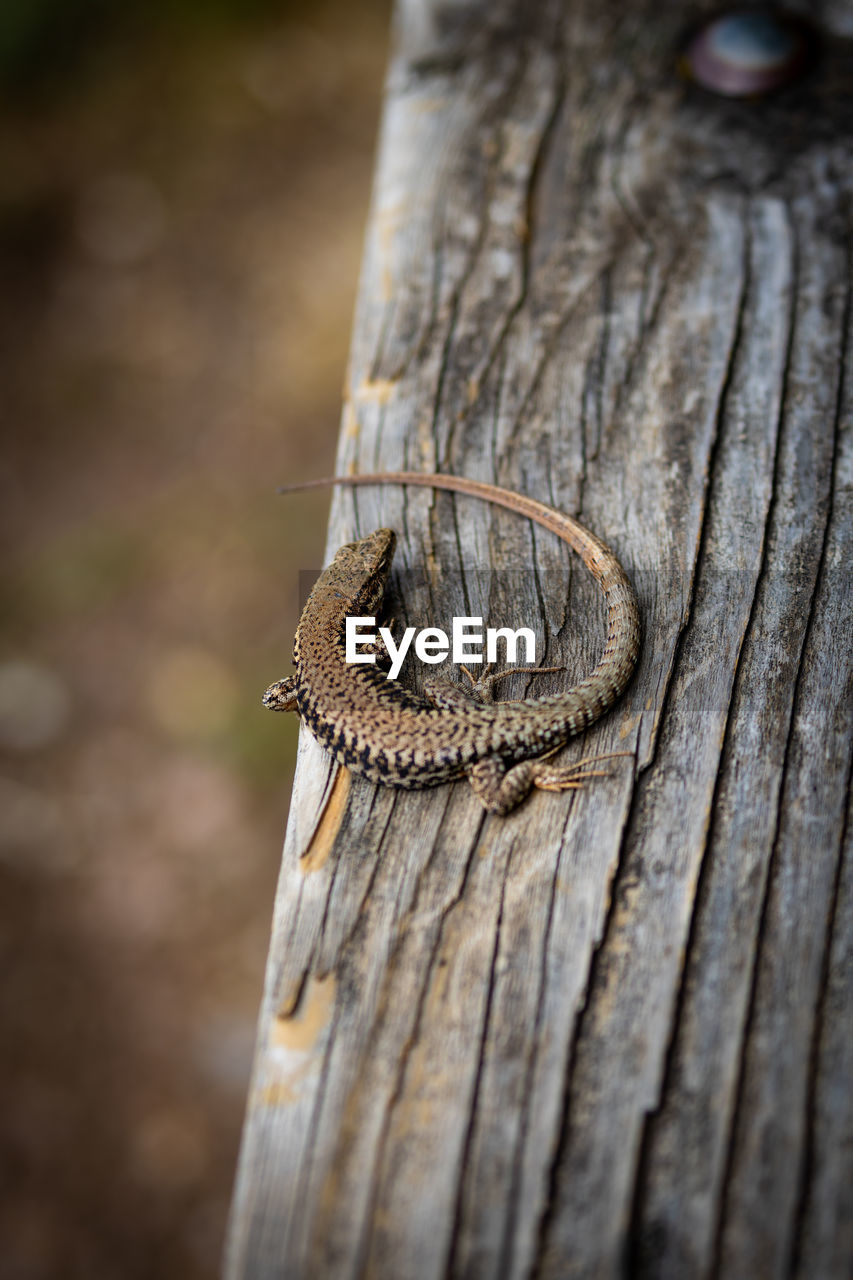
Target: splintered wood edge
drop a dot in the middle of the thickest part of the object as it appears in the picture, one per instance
(320, 845)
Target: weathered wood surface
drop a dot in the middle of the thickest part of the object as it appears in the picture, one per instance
(612, 1032)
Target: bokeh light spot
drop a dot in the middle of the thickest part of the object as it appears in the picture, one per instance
(34, 706)
(121, 219)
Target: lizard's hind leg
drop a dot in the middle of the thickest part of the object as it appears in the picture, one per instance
(501, 788)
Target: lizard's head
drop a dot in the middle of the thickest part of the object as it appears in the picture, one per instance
(360, 569)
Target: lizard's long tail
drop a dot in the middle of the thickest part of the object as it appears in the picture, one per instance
(603, 686)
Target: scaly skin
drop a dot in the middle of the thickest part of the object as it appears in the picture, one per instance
(379, 729)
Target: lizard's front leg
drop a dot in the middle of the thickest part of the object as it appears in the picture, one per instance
(378, 648)
(500, 788)
(481, 687)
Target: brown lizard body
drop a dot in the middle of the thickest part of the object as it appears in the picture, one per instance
(379, 729)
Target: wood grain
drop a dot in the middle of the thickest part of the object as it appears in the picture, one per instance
(611, 1033)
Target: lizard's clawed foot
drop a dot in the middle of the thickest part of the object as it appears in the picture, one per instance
(571, 777)
(447, 694)
(501, 789)
(481, 686)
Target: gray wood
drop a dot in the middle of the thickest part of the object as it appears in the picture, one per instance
(610, 1033)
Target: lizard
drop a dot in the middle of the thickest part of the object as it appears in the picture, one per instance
(383, 731)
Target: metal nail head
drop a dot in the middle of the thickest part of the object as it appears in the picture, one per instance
(749, 52)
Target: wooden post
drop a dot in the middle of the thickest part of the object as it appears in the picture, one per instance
(610, 1033)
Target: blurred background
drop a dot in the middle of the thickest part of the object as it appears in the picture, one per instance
(183, 191)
